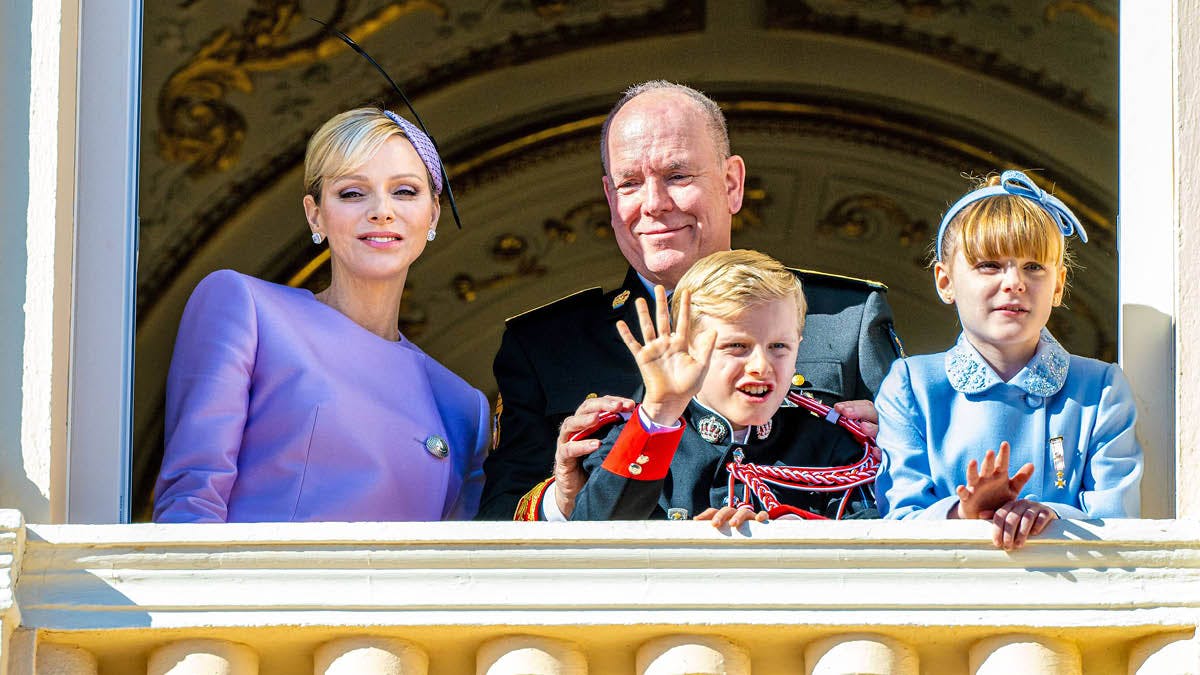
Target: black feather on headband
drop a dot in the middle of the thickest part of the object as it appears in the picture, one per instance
(363, 53)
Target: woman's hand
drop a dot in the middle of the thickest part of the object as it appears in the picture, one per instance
(671, 371)
(989, 486)
(1017, 520)
(727, 515)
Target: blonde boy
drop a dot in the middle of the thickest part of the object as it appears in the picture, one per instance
(713, 391)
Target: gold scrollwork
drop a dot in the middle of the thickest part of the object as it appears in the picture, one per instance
(859, 216)
(197, 126)
(588, 216)
(754, 199)
(1087, 10)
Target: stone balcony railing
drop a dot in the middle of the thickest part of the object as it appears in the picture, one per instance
(601, 598)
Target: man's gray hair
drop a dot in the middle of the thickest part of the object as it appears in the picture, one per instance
(708, 107)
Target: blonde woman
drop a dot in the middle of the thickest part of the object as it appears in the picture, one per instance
(283, 405)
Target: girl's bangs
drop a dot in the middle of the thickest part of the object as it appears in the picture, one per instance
(1009, 227)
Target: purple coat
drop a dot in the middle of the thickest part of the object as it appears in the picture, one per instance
(280, 408)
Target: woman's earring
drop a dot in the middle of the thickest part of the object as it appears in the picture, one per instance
(431, 235)
(317, 238)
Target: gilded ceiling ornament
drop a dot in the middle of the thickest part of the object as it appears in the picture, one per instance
(197, 126)
(754, 199)
(1087, 10)
(861, 216)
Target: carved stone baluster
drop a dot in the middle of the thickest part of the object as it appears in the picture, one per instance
(1170, 654)
(693, 655)
(55, 659)
(860, 653)
(370, 656)
(1008, 654)
(203, 657)
(529, 655)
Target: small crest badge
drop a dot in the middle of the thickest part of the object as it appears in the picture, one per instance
(621, 299)
(712, 429)
(436, 446)
(677, 514)
(763, 430)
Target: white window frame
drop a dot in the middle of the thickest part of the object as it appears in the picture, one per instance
(1146, 238)
(107, 152)
(100, 441)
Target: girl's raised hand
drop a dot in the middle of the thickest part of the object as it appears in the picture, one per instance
(671, 371)
(989, 486)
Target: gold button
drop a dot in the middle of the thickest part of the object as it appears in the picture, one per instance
(642, 459)
(591, 395)
(635, 469)
(798, 380)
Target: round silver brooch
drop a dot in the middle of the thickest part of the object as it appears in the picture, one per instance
(436, 446)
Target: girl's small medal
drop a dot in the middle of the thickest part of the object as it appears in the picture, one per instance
(1060, 461)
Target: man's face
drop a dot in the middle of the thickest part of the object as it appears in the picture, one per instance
(671, 194)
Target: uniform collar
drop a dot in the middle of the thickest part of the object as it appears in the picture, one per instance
(700, 412)
(1044, 375)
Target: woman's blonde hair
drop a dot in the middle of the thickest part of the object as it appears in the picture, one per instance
(725, 284)
(346, 141)
(1002, 226)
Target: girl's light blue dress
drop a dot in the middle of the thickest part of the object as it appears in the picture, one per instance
(939, 411)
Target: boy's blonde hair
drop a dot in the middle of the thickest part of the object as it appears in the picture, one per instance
(727, 283)
(1001, 226)
(346, 141)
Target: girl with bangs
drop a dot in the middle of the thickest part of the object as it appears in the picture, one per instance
(1006, 394)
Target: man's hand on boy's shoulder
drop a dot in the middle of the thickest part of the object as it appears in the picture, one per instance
(569, 476)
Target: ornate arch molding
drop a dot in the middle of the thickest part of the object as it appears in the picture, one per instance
(507, 127)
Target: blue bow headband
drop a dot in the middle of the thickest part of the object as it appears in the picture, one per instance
(1018, 184)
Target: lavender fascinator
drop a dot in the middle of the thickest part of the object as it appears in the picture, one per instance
(417, 133)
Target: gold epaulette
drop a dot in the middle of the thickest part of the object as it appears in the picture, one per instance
(531, 504)
(841, 278)
(565, 300)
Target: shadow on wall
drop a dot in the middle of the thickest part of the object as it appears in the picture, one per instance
(16, 490)
(1150, 369)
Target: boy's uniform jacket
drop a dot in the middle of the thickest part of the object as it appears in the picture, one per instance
(681, 474)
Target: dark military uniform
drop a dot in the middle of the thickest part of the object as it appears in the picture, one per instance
(636, 475)
(553, 357)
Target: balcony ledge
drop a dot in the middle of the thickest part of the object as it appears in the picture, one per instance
(1109, 573)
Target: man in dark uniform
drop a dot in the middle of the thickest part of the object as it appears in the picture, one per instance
(672, 187)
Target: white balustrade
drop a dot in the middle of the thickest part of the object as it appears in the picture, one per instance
(860, 653)
(1037, 655)
(203, 657)
(56, 659)
(692, 655)
(1169, 654)
(370, 656)
(530, 655)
